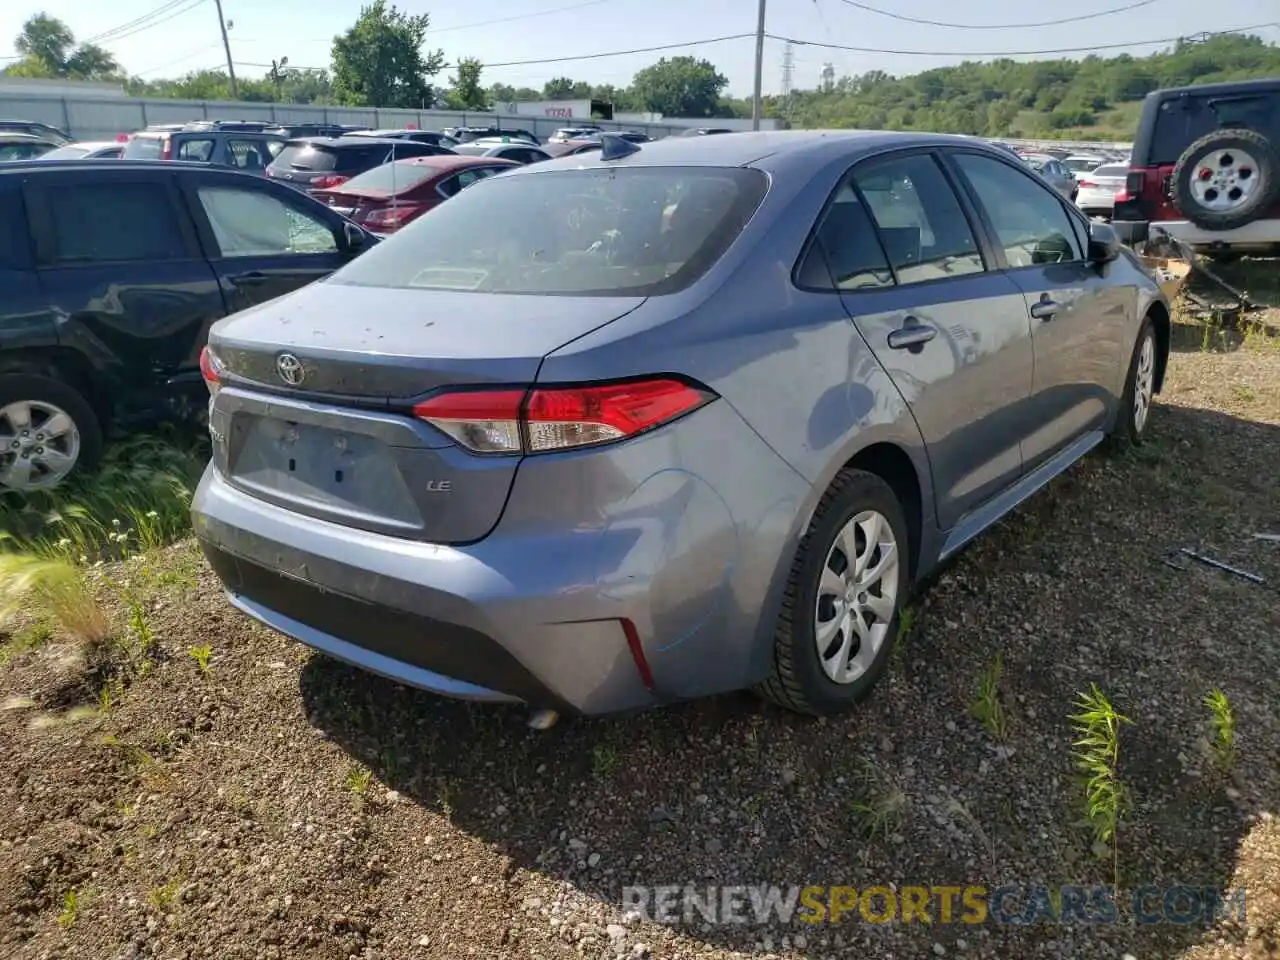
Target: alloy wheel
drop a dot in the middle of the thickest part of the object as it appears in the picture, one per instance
(1144, 383)
(1225, 179)
(857, 596)
(39, 445)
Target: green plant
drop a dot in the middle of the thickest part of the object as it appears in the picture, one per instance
(1222, 725)
(162, 898)
(201, 655)
(70, 909)
(358, 779)
(987, 707)
(140, 497)
(30, 637)
(906, 623)
(1097, 752)
(140, 641)
(604, 761)
(57, 590)
(879, 810)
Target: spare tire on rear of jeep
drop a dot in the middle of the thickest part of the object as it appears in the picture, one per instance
(1226, 179)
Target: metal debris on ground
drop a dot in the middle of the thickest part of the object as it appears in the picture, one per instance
(1219, 565)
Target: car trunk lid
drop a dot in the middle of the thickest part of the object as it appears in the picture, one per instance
(313, 406)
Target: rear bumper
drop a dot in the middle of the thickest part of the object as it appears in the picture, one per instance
(1261, 233)
(430, 616)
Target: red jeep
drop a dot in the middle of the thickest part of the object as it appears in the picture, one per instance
(1205, 167)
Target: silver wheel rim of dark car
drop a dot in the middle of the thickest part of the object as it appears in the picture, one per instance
(857, 596)
(39, 445)
(1143, 382)
(1224, 180)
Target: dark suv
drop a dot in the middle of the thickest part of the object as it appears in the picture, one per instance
(245, 146)
(1205, 167)
(111, 276)
(322, 163)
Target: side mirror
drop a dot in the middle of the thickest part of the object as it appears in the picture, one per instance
(1104, 245)
(353, 238)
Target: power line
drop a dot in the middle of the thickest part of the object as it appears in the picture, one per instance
(997, 26)
(1006, 53)
(622, 53)
(127, 28)
(182, 59)
(149, 24)
(522, 16)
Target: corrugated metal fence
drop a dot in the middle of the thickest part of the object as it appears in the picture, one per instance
(103, 118)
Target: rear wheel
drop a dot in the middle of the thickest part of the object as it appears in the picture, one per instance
(1226, 179)
(48, 431)
(840, 610)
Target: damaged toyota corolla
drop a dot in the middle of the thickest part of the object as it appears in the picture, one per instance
(695, 419)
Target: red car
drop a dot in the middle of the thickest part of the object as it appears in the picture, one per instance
(384, 199)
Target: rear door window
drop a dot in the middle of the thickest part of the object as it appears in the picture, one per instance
(248, 155)
(201, 150)
(846, 253)
(113, 221)
(920, 222)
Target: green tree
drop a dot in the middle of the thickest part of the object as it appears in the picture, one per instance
(680, 87)
(379, 62)
(49, 50)
(562, 88)
(465, 92)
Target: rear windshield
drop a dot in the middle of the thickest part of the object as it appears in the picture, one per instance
(390, 178)
(634, 231)
(324, 159)
(1111, 170)
(471, 150)
(1079, 164)
(142, 148)
(1181, 121)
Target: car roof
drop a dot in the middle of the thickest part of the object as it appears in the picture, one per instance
(451, 161)
(765, 149)
(15, 136)
(1266, 84)
(343, 143)
(165, 167)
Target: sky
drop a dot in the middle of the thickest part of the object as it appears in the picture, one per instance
(185, 37)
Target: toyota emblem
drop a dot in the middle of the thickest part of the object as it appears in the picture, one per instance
(290, 369)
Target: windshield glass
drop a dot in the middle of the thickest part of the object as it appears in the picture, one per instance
(634, 231)
(390, 178)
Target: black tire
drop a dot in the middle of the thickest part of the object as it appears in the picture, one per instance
(798, 681)
(1265, 168)
(17, 387)
(1128, 431)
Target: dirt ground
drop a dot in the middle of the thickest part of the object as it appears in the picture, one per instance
(276, 804)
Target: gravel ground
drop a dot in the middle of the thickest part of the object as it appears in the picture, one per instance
(281, 805)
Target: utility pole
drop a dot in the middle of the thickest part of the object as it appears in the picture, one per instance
(788, 72)
(755, 96)
(226, 45)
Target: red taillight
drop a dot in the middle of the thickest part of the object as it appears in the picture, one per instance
(166, 148)
(122, 138)
(559, 418)
(390, 218)
(1088, 183)
(327, 181)
(210, 369)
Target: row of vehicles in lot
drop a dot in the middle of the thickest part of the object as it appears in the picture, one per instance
(116, 314)
(896, 337)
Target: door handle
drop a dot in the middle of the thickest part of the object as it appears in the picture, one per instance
(912, 335)
(249, 279)
(1045, 309)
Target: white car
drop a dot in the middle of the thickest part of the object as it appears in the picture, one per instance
(1098, 189)
(1083, 163)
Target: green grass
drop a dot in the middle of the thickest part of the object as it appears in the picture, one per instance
(138, 499)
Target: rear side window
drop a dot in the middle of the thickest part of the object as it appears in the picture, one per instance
(142, 148)
(920, 222)
(845, 254)
(15, 243)
(630, 231)
(251, 155)
(1183, 120)
(108, 222)
(465, 179)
